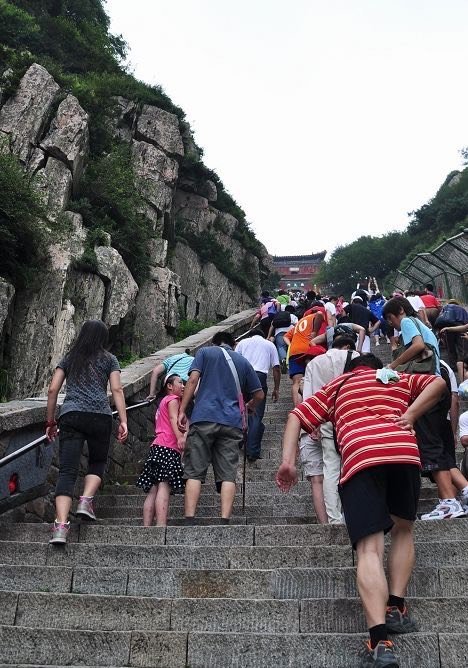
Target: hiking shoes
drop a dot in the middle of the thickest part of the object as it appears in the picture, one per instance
(59, 533)
(382, 656)
(445, 510)
(85, 507)
(399, 622)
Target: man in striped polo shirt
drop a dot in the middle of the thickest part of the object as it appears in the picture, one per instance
(379, 484)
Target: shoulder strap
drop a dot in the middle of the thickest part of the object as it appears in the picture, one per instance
(240, 396)
(349, 357)
(433, 348)
(233, 369)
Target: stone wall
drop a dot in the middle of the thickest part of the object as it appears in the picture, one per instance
(47, 130)
(22, 421)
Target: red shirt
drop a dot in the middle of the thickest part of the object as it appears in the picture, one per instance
(430, 301)
(363, 418)
(301, 335)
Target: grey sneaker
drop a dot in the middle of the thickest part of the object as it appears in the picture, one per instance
(85, 507)
(59, 533)
(399, 622)
(382, 656)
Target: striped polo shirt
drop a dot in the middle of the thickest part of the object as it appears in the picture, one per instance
(363, 416)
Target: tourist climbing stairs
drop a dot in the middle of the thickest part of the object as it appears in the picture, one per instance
(273, 589)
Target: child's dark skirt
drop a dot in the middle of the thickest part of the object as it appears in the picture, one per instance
(162, 465)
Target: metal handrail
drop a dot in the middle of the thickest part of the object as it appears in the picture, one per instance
(33, 444)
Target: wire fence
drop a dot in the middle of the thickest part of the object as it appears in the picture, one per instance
(446, 267)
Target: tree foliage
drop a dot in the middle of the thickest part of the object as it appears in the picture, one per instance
(22, 232)
(112, 204)
(367, 256)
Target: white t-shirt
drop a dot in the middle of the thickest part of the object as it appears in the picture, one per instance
(331, 308)
(463, 424)
(416, 302)
(323, 369)
(261, 354)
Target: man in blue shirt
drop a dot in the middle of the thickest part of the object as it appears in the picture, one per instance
(215, 433)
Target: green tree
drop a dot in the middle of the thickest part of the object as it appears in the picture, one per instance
(367, 256)
(17, 27)
(22, 234)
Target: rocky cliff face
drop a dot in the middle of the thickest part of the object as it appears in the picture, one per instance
(47, 130)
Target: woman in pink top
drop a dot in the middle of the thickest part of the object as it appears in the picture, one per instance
(162, 473)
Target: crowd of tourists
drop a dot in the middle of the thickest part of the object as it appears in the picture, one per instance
(364, 431)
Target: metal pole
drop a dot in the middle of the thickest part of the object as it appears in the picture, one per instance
(33, 444)
(21, 451)
(244, 439)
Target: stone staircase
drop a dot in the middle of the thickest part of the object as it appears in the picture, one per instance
(271, 589)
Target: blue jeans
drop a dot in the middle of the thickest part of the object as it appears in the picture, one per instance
(281, 347)
(256, 426)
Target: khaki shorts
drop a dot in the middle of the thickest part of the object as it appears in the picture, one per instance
(310, 453)
(212, 443)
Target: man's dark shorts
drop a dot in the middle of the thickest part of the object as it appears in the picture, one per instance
(430, 429)
(212, 443)
(449, 460)
(372, 495)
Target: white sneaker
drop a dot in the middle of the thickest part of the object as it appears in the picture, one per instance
(445, 510)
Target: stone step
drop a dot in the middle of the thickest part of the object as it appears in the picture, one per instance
(148, 613)
(283, 509)
(428, 553)
(212, 535)
(253, 489)
(128, 613)
(46, 647)
(176, 556)
(224, 535)
(283, 583)
(318, 650)
(269, 506)
(258, 520)
(39, 647)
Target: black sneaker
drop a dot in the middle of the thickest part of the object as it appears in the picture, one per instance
(382, 656)
(399, 622)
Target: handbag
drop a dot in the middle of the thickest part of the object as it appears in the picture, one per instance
(424, 362)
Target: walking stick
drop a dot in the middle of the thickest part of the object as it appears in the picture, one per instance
(244, 442)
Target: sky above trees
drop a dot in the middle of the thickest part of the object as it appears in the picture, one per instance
(325, 121)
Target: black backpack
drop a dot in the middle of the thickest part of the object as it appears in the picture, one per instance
(281, 319)
(342, 330)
